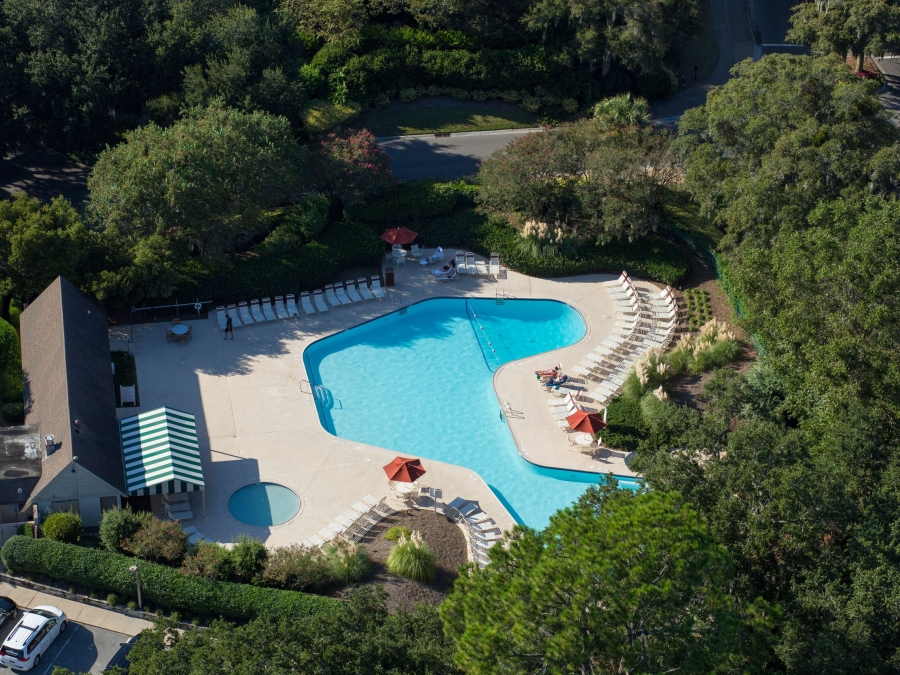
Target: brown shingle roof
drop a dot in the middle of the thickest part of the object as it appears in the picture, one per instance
(68, 377)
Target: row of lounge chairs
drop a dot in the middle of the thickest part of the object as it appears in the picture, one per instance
(467, 264)
(643, 321)
(354, 523)
(284, 307)
(482, 530)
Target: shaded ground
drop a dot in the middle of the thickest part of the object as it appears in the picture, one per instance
(431, 114)
(44, 174)
(443, 535)
(697, 56)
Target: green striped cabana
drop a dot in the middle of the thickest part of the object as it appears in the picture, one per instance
(161, 454)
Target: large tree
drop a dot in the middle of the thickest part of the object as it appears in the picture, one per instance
(857, 27)
(197, 187)
(618, 583)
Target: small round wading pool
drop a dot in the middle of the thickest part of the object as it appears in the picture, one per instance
(264, 504)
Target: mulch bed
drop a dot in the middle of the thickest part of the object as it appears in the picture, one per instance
(443, 535)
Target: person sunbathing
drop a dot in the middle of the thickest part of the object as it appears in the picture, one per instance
(447, 273)
(555, 382)
(553, 372)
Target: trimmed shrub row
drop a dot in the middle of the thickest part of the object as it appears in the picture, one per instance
(163, 586)
(410, 201)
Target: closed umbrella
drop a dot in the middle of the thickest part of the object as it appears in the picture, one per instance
(399, 235)
(589, 423)
(404, 470)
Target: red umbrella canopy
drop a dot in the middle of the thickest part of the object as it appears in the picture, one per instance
(404, 470)
(399, 235)
(589, 423)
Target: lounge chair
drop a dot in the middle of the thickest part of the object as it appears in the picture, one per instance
(280, 309)
(377, 290)
(438, 256)
(449, 275)
(461, 262)
(245, 313)
(305, 302)
(471, 268)
(342, 295)
(319, 299)
(316, 541)
(495, 265)
(291, 305)
(361, 507)
(416, 252)
(481, 267)
(332, 298)
(268, 312)
(220, 316)
(351, 291)
(258, 315)
(364, 289)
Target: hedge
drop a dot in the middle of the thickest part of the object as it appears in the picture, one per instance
(166, 587)
(409, 201)
(10, 364)
(650, 257)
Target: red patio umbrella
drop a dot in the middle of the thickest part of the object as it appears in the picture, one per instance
(399, 235)
(589, 423)
(404, 470)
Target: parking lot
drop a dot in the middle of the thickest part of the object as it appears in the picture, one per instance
(81, 649)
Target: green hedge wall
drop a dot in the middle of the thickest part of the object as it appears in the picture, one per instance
(10, 365)
(410, 201)
(648, 258)
(164, 586)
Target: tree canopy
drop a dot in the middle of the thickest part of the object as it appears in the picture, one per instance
(616, 583)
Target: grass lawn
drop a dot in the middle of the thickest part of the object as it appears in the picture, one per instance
(429, 115)
(126, 374)
(700, 49)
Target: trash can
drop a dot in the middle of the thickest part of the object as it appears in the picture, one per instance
(388, 277)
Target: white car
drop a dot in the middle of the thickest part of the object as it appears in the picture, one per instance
(32, 636)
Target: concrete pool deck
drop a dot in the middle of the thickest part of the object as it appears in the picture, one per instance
(257, 421)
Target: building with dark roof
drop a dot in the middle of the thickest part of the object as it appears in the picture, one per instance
(69, 396)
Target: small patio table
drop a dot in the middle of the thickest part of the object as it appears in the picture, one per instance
(180, 329)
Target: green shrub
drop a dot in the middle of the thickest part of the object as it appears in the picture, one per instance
(653, 409)
(112, 599)
(14, 413)
(412, 558)
(297, 568)
(10, 365)
(131, 604)
(407, 201)
(158, 540)
(64, 526)
(396, 532)
(209, 561)
(26, 530)
(164, 586)
(118, 525)
(125, 375)
(348, 561)
(248, 556)
(626, 424)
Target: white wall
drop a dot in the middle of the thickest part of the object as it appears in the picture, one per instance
(81, 485)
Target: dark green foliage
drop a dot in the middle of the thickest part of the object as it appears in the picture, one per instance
(14, 413)
(248, 558)
(356, 637)
(626, 424)
(163, 586)
(210, 561)
(64, 526)
(647, 561)
(119, 525)
(298, 568)
(348, 561)
(697, 311)
(409, 201)
(412, 558)
(10, 365)
(161, 541)
(125, 375)
(26, 530)
(394, 533)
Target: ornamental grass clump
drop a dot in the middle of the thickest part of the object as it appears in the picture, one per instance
(348, 561)
(412, 558)
(715, 346)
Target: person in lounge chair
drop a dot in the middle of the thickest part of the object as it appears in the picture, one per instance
(555, 382)
(437, 257)
(553, 372)
(445, 274)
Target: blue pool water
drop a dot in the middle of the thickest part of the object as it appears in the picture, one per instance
(264, 504)
(420, 382)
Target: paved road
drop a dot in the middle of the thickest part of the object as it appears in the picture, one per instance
(450, 157)
(43, 174)
(81, 649)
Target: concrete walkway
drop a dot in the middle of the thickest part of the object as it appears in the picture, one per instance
(88, 615)
(890, 94)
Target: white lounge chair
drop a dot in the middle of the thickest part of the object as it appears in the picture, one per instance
(319, 299)
(306, 303)
(481, 267)
(617, 282)
(220, 316)
(332, 298)
(471, 268)
(350, 285)
(291, 305)
(416, 252)
(280, 309)
(437, 256)
(258, 316)
(268, 312)
(317, 541)
(461, 262)
(364, 289)
(232, 311)
(342, 295)
(245, 313)
(377, 290)
(495, 265)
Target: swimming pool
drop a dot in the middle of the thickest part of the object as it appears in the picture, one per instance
(419, 381)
